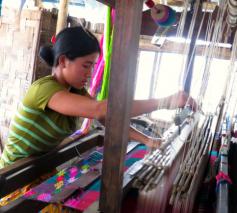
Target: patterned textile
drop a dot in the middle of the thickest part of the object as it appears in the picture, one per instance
(82, 201)
(67, 181)
(20, 192)
(61, 185)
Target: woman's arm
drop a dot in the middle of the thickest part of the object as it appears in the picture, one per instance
(71, 104)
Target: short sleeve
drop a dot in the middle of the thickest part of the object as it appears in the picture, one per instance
(40, 93)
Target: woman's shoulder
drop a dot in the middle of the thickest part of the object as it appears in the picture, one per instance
(41, 91)
(49, 79)
(45, 84)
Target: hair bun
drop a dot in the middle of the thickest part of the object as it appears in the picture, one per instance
(46, 53)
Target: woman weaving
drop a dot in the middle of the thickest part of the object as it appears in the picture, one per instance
(50, 107)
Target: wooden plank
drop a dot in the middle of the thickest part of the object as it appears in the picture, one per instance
(123, 68)
(14, 207)
(110, 3)
(171, 46)
(62, 15)
(27, 170)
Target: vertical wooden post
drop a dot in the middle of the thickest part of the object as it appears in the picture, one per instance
(38, 3)
(190, 57)
(62, 15)
(121, 90)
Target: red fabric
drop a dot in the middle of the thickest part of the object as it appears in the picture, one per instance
(150, 3)
(212, 160)
(53, 39)
(139, 154)
(60, 178)
(223, 177)
(87, 200)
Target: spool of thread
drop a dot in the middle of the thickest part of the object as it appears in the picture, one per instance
(163, 15)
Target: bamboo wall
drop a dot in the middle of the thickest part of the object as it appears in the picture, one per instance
(20, 39)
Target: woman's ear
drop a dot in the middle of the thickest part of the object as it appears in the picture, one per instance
(62, 61)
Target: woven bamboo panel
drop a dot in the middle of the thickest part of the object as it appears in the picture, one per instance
(18, 44)
(47, 30)
(21, 36)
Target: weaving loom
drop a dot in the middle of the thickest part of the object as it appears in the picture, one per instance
(84, 185)
(188, 173)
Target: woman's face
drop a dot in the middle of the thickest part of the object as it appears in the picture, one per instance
(77, 72)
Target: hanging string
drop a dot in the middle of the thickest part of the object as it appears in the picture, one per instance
(209, 55)
(189, 35)
(230, 83)
(178, 196)
(182, 20)
(210, 50)
(205, 73)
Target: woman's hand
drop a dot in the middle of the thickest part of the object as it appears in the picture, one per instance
(153, 142)
(148, 141)
(178, 100)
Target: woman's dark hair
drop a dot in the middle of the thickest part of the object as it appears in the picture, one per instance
(72, 42)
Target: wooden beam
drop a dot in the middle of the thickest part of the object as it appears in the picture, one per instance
(38, 3)
(110, 3)
(170, 46)
(178, 47)
(188, 73)
(149, 27)
(62, 15)
(27, 170)
(123, 69)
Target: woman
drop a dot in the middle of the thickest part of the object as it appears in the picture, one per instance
(50, 107)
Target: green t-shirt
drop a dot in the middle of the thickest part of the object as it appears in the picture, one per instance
(35, 128)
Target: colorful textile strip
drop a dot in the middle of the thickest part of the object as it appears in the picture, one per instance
(213, 156)
(56, 187)
(20, 192)
(82, 201)
(97, 75)
(103, 94)
(214, 153)
(99, 85)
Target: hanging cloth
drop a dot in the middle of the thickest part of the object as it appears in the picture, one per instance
(99, 85)
(103, 94)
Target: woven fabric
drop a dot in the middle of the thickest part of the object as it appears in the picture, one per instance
(79, 199)
(83, 200)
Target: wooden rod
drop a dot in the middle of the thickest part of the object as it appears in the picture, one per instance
(110, 3)
(121, 91)
(62, 15)
(38, 3)
(191, 55)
